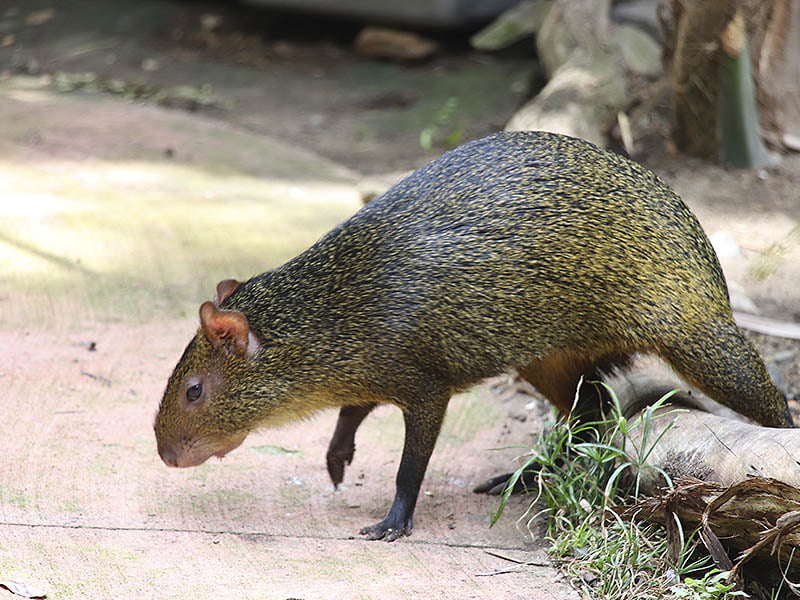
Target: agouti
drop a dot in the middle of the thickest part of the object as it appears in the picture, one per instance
(528, 251)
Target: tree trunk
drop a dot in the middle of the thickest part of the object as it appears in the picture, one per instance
(694, 52)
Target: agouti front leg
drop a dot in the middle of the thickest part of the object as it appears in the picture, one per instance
(342, 445)
(423, 422)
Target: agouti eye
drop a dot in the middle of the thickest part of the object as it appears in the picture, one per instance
(194, 392)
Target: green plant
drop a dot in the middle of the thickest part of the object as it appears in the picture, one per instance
(771, 258)
(713, 586)
(599, 455)
(585, 471)
(445, 131)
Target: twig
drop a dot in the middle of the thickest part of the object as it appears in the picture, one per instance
(104, 380)
(519, 563)
(514, 560)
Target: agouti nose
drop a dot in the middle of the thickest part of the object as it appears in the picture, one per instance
(169, 456)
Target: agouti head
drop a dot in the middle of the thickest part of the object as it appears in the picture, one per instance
(210, 404)
(195, 419)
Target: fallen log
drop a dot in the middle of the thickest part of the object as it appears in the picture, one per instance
(735, 481)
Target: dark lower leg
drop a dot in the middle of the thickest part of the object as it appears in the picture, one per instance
(342, 445)
(422, 429)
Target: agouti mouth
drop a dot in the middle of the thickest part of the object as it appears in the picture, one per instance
(235, 443)
(192, 456)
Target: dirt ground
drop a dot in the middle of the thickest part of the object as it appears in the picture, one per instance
(124, 204)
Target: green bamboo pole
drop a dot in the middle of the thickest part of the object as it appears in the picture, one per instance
(740, 140)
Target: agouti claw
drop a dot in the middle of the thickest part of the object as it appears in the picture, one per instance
(381, 531)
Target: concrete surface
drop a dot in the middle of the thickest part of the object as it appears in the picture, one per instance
(116, 221)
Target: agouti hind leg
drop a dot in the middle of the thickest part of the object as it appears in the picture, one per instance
(423, 420)
(557, 378)
(723, 364)
(342, 446)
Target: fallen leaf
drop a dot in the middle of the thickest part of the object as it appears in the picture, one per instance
(22, 589)
(275, 450)
(379, 42)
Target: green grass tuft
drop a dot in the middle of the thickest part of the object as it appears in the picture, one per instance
(589, 470)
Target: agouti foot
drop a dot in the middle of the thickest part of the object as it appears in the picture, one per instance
(526, 482)
(336, 465)
(382, 531)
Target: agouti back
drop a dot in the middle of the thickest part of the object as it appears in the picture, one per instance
(527, 251)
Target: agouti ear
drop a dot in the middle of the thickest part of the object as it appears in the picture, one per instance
(224, 289)
(227, 329)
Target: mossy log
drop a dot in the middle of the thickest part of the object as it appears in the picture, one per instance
(588, 61)
(587, 84)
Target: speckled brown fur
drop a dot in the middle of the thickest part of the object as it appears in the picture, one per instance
(521, 250)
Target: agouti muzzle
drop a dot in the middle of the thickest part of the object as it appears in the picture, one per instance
(528, 251)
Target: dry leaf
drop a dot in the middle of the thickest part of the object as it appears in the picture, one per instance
(22, 589)
(379, 42)
(792, 142)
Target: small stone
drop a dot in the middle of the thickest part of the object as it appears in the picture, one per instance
(784, 356)
(725, 244)
(740, 301)
(792, 142)
(150, 64)
(210, 22)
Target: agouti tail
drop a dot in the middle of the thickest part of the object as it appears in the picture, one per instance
(528, 251)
